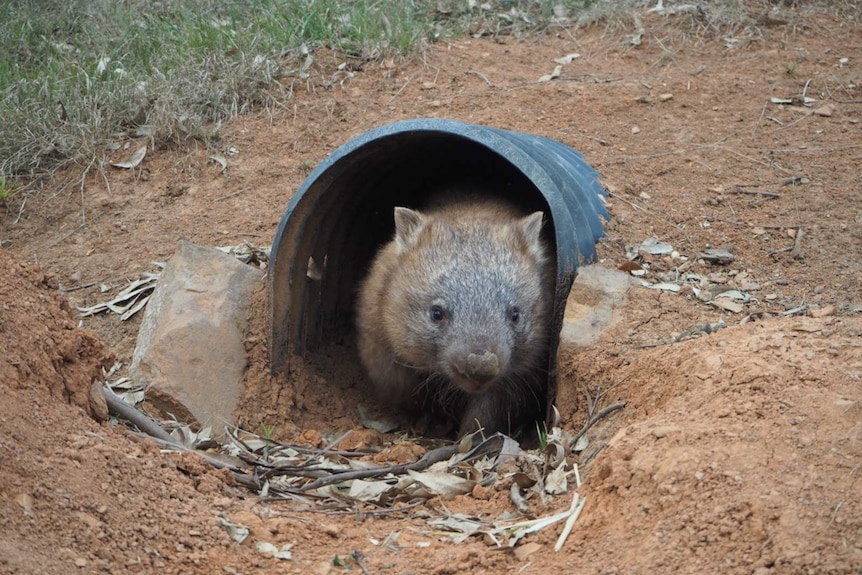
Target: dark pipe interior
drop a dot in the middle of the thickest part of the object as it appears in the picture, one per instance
(353, 215)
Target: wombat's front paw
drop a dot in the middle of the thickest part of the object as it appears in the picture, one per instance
(487, 414)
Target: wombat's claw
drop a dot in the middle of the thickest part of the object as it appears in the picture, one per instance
(483, 367)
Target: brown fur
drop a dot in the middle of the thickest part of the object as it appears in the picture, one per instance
(452, 318)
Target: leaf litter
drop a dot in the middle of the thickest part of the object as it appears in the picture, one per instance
(660, 266)
(134, 297)
(335, 482)
(130, 300)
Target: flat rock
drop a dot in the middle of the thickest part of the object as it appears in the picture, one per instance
(591, 308)
(189, 356)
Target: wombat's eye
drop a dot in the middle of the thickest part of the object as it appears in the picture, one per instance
(437, 314)
(514, 315)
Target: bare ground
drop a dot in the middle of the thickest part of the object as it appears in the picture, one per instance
(738, 452)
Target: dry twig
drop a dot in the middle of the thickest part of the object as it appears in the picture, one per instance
(796, 252)
(739, 190)
(594, 419)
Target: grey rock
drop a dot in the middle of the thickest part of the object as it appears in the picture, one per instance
(592, 306)
(190, 355)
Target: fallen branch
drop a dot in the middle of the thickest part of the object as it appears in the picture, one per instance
(138, 418)
(65, 289)
(780, 251)
(151, 429)
(739, 190)
(426, 461)
(594, 419)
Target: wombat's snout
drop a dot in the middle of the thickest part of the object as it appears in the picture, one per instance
(484, 366)
(476, 369)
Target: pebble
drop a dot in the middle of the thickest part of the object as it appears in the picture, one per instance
(824, 311)
(664, 430)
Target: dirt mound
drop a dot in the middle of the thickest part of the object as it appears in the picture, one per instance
(40, 345)
(76, 494)
(740, 449)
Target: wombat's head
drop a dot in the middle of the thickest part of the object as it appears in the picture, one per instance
(471, 295)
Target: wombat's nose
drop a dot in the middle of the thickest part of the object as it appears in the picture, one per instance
(483, 367)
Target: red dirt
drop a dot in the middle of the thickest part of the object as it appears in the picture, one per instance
(738, 452)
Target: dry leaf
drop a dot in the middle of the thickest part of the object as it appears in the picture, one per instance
(727, 304)
(663, 287)
(220, 160)
(269, 549)
(655, 247)
(557, 481)
(368, 490)
(236, 531)
(567, 59)
(524, 551)
(134, 160)
(555, 74)
(445, 485)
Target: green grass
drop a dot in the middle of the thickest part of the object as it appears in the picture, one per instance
(74, 74)
(6, 188)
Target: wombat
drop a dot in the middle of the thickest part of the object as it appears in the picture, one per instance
(453, 316)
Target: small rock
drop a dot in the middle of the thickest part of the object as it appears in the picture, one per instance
(717, 256)
(824, 311)
(89, 520)
(312, 437)
(400, 453)
(482, 493)
(522, 552)
(664, 430)
(361, 440)
(665, 97)
(80, 562)
(25, 501)
(636, 130)
(826, 111)
(727, 304)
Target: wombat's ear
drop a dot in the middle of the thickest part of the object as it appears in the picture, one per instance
(408, 224)
(531, 227)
